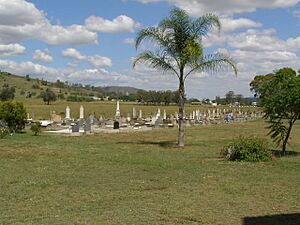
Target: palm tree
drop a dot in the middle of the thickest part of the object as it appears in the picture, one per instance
(178, 49)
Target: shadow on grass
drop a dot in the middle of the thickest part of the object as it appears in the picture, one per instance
(286, 219)
(279, 153)
(162, 144)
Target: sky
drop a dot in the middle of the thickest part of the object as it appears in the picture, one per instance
(92, 41)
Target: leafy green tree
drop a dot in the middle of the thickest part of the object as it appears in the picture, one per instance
(229, 97)
(280, 97)
(7, 93)
(179, 50)
(48, 96)
(13, 114)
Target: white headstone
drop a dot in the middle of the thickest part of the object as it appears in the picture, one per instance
(118, 114)
(81, 112)
(140, 114)
(158, 113)
(165, 115)
(68, 113)
(133, 113)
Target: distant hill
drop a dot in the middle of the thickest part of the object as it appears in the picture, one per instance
(26, 86)
(120, 89)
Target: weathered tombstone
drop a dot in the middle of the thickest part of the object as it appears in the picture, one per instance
(81, 112)
(68, 113)
(87, 126)
(92, 119)
(140, 114)
(75, 128)
(116, 125)
(157, 122)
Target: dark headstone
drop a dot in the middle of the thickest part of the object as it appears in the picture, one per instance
(116, 125)
(75, 128)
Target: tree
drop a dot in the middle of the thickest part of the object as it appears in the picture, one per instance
(48, 96)
(7, 93)
(13, 114)
(229, 97)
(280, 96)
(179, 50)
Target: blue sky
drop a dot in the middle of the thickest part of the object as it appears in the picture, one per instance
(90, 41)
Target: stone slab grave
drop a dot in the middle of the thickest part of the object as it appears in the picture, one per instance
(75, 128)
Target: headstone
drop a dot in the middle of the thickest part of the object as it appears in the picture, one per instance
(87, 126)
(165, 115)
(116, 125)
(75, 128)
(157, 122)
(81, 112)
(118, 113)
(68, 113)
(140, 114)
(134, 113)
(92, 119)
(158, 113)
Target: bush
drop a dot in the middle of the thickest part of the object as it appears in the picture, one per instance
(3, 129)
(250, 149)
(14, 115)
(36, 128)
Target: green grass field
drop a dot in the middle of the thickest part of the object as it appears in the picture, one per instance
(143, 179)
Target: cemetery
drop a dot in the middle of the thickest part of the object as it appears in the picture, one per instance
(88, 123)
(138, 112)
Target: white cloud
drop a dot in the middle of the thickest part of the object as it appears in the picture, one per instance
(29, 68)
(20, 20)
(99, 61)
(96, 61)
(229, 24)
(229, 7)
(129, 41)
(72, 53)
(42, 55)
(119, 24)
(11, 50)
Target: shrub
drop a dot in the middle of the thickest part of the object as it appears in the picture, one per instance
(3, 129)
(13, 114)
(36, 128)
(250, 149)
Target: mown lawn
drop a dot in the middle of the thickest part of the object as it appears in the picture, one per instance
(143, 178)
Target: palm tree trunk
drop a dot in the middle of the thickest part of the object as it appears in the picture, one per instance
(180, 114)
(285, 141)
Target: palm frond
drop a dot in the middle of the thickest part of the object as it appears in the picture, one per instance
(215, 62)
(155, 60)
(153, 34)
(204, 24)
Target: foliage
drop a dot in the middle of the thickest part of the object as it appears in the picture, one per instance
(76, 98)
(280, 97)
(36, 128)
(250, 149)
(177, 39)
(7, 93)
(48, 96)
(14, 115)
(3, 129)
